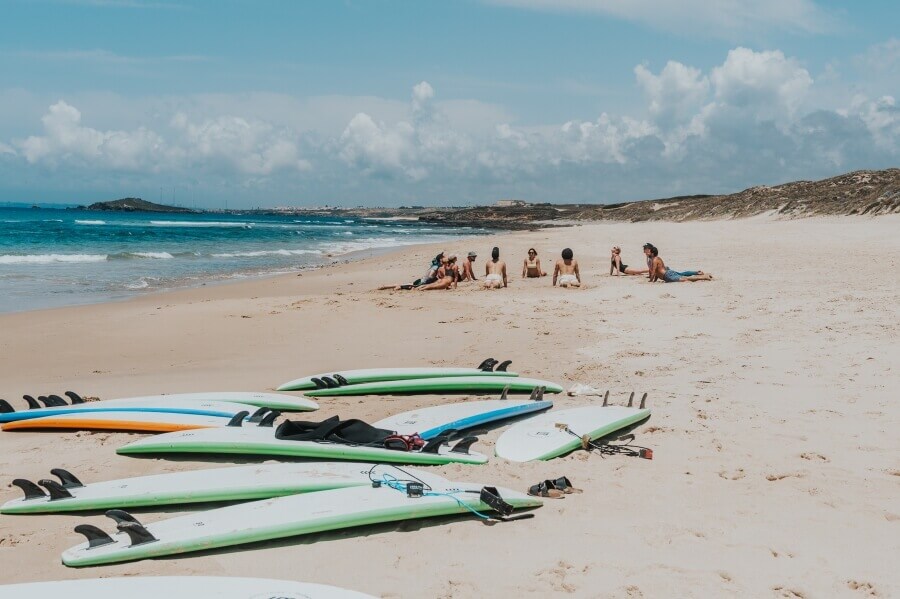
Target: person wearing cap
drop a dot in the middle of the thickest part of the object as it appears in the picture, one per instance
(468, 268)
(616, 267)
(495, 271)
(566, 270)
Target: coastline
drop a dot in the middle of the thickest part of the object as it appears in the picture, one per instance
(772, 389)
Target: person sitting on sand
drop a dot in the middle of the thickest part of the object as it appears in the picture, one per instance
(468, 268)
(430, 276)
(658, 270)
(495, 271)
(566, 271)
(447, 275)
(531, 268)
(616, 267)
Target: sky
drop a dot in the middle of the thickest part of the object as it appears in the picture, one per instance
(423, 102)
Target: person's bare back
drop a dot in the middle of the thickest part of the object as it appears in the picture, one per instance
(566, 272)
(495, 271)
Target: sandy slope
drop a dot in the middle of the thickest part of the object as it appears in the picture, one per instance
(777, 458)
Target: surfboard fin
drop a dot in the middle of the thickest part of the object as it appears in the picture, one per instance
(68, 480)
(537, 394)
(74, 397)
(631, 400)
(58, 400)
(505, 393)
(95, 536)
(270, 418)
(319, 383)
(464, 445)
(46, 401)
(491, 497)
(57, 491)
(258, 414)
(341, 380)
(606, 398)
(136, 532)
(435, 443)
(5, 408)
(31, 490)
(330, 382)
(238, 419)
(120, 516)
(32, 402)
(643, 401)
(503, 366)
(487, 365)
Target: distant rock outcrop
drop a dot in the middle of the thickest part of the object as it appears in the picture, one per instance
(134, 205)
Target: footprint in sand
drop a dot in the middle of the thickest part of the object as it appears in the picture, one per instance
(814, 457)
(736, 475)
(786, 592)
(774, 477)
(865, 588)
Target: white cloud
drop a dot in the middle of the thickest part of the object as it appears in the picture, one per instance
(722, 18)
(749, 120)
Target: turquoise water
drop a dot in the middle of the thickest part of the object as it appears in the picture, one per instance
(52, 258)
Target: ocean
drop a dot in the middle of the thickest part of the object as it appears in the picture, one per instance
(55, 257)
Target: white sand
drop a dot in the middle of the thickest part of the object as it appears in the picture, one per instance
(774, 388)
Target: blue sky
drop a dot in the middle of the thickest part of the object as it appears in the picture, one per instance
(395, 102)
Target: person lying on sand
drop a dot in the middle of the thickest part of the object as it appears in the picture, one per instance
(447, 275)
(648, 254)
(531, 268)
(616, 267)
(495, 271)
(430, 276)
(658, 270)
(468, 268)
(566, 271)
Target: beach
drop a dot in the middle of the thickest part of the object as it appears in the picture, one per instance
(773, 389)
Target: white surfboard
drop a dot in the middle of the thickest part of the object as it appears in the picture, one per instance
(278, 518)
(540, 438)
(138, 421)
(374, 375)
(256, 440)
(238, 483)
(429, 422)
(186, 403)
(155, 587)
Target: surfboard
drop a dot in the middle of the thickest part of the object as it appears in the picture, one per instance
(280, 517)
(255, 440)
(175, 406)
(539, 438)
(430, 422)
(462, 384)
(237, 483)
(154, 587)
(374, 375)
(125, 420)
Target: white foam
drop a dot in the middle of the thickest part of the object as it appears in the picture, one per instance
(155, 255)
(51, 258)
(198, 223)
(259, 253)
(90, 222)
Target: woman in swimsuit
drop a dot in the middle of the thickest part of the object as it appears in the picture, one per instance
(531, 268)
(659, 271)
(447, 275)
(616, 267)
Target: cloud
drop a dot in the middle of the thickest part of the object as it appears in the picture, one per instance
(722, 18)
(754, 118)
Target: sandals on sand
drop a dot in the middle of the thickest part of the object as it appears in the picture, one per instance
(553, 489)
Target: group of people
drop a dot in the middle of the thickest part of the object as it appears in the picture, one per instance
(445, 272)
(656, 269)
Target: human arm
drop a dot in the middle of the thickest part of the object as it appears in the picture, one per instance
(503, 270)
(652, 275)
(577, 273)
(555, 273)
(524, 267)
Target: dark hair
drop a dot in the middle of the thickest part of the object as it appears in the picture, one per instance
(648, 246)
(437, 259)
(495, 253)
(654, 251)
(567, 254)
(532, 250)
